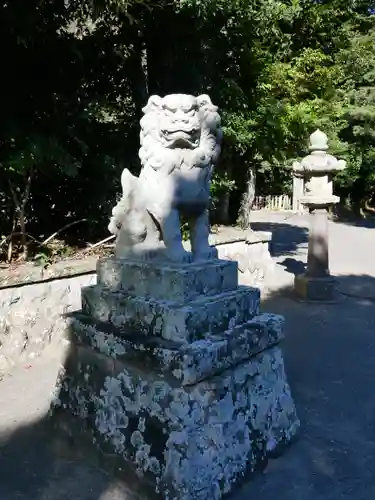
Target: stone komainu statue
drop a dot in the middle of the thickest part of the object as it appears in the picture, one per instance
(180, 144)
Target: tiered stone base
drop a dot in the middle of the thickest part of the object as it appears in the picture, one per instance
(184, 382)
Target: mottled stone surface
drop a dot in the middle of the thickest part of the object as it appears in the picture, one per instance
(167, 281)
(32, 316)
(188, 363)
(168, 319)
(191, 442)
(187, 394)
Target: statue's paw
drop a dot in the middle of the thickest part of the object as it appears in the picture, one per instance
(179, 255)
(206, 253)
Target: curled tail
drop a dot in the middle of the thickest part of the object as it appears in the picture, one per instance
(125, 205)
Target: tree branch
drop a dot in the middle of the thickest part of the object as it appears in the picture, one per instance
(62, 229)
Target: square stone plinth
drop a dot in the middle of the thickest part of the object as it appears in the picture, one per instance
(183, 323)
(322, 289)
(167, 281)
(183, 442)
(184, 364)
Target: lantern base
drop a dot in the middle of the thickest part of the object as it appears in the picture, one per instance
(315, 289)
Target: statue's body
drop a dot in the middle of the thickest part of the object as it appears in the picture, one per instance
(180, 144)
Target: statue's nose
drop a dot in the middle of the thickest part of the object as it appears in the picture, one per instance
(182, 117)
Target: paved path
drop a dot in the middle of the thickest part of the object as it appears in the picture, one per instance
(352, 256)
(330, 360)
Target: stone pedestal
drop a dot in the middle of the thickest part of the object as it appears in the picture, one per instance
(175, 374)
(317, 284)
(317, 256)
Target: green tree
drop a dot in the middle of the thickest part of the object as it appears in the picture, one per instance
(66, 106)
(358, 91)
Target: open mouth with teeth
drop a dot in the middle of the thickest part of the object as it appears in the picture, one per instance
(179, 133)
(181, 138)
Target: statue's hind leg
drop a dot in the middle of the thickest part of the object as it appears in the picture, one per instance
(171, 233)
(199, 233)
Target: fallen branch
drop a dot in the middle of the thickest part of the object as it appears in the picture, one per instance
(20, 233)
(60, 230)
(109, 238)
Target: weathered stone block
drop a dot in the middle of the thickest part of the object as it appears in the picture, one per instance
(33, 317)
(191, 442)
(196, 319)
(188, 363)
(167, 281)
(315, 289)
(252, 253)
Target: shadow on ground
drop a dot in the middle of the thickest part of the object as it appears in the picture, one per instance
(330, 357)
(34, 466)
(359, 218)
(37, 464)
(293, 266)
(286, 238)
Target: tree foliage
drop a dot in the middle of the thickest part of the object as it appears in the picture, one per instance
(76, 73)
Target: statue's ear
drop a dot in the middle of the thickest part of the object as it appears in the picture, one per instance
(153, 104)
(204, 100)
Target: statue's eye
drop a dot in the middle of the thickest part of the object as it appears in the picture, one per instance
(168, 111)
(191, 112)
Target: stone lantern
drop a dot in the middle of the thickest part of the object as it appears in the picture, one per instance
(317, 169)
(298, 188)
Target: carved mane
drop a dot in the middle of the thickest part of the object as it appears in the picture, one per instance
(153, 151)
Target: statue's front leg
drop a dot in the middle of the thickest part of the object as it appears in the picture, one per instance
(199, 233)
(171, 232)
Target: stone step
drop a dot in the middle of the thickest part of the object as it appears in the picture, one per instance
(180, 283)
(186, 364)
(212, 314)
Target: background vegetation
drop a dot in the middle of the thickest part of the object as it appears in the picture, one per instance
(76, 73)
